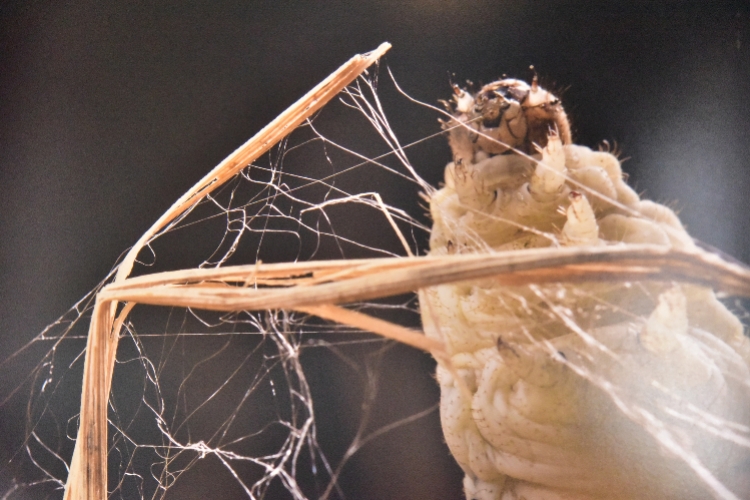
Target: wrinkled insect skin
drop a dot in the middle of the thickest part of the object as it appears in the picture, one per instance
(553, 385)
(503, 116)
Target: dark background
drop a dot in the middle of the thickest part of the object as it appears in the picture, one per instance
(109, 112)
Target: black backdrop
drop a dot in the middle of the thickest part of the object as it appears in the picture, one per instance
(110, 112)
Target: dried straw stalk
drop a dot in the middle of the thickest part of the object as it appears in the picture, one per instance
(88, 470)
(317, 287)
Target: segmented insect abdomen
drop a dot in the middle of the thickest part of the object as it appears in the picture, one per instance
(587, 391)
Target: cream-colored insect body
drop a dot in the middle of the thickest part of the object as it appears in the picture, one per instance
(595, 391)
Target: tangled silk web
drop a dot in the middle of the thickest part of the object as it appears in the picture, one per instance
(230, 397)
(196, 391)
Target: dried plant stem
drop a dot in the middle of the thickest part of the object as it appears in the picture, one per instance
(313, 284)
(87, 478)
(383, 328)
